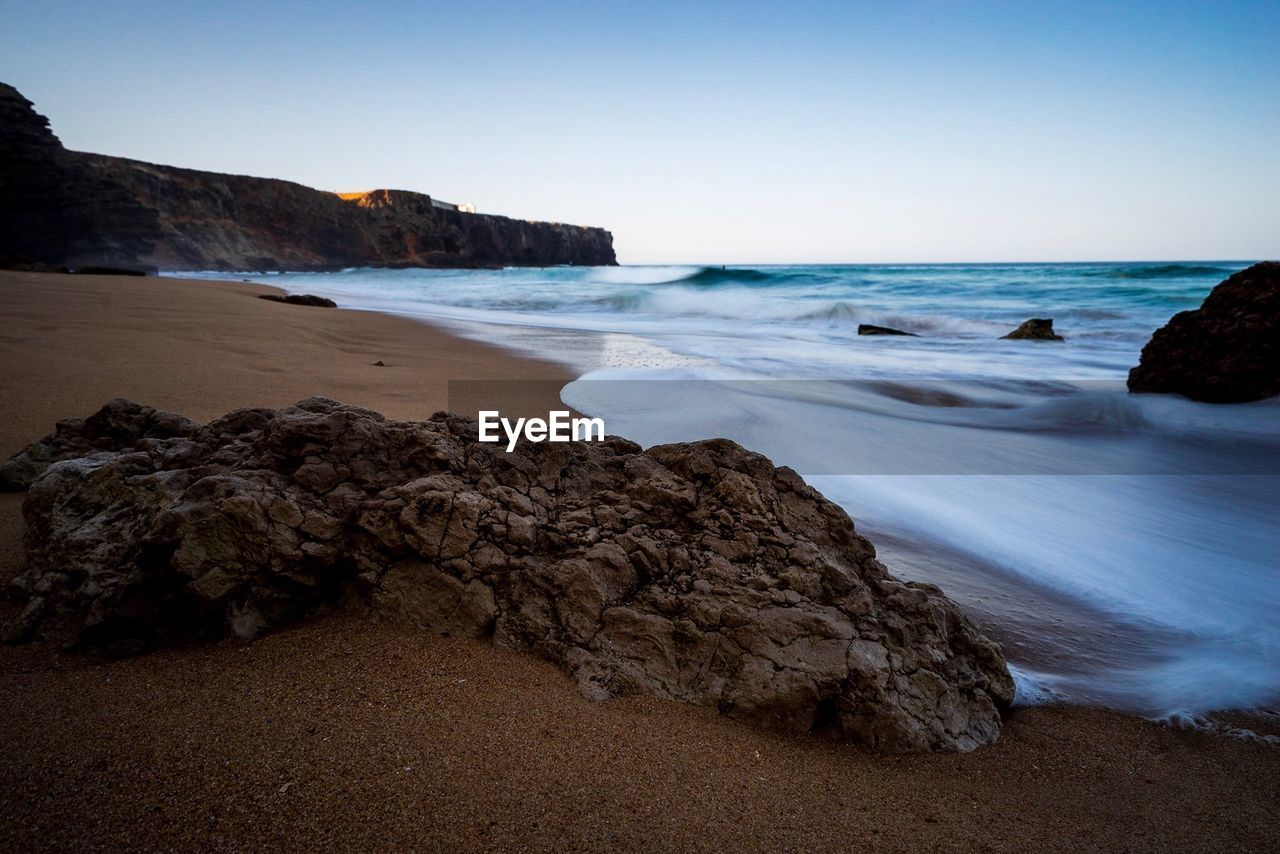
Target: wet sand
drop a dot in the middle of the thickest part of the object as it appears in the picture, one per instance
(340, 732)
(70, 343)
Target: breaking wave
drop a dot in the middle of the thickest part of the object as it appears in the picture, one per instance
(1167, 271)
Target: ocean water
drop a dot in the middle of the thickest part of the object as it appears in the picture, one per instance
(1125, 550)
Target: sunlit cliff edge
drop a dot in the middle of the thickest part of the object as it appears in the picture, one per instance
(76, 209)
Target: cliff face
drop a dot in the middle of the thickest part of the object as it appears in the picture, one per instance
(53, 209)
(66, 207)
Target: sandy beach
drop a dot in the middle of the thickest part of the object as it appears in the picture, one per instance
(341, 732)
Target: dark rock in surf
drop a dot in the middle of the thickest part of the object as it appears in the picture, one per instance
(697, 572)
(1035, 329)
(301, 299)
(1225, 351)
(871, 329)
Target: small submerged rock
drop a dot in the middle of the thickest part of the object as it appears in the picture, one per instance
(1035, 329)
(872, 329)
(697, 572)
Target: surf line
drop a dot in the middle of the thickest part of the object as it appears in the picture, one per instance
(556, 427)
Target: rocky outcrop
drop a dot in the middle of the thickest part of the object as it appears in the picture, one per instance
(68, 208)
(1227, 350)
(54, 210)
(1035, 329)
(872, 329)
(31, 192)
(697, 572)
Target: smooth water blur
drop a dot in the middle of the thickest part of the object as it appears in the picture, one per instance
(776, 321)
(1124, 549)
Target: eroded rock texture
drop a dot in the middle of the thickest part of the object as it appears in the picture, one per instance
(697, 572)
(1225, 351)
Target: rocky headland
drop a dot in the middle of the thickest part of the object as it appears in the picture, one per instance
(697, 572)
(68, 208)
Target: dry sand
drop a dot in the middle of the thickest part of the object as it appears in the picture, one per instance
(344, 733)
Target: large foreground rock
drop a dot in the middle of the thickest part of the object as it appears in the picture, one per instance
(697, 572)
(1227, 350)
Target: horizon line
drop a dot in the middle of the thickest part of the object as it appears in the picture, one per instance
(945, 263)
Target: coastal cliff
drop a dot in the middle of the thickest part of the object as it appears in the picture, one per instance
(70, 208)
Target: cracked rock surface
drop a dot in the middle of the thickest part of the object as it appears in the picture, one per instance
(697, 572)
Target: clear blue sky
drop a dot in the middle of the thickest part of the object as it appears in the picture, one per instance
(743, 132)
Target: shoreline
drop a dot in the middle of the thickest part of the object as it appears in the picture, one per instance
(161, 351)
(289, 711)
(1070, 645)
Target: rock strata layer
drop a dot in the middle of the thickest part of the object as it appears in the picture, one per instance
(60, 207)
(698, 572)
(1225, 351)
